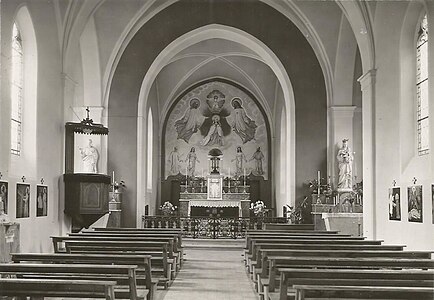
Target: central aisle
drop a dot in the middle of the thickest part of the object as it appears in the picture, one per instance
(213, 269)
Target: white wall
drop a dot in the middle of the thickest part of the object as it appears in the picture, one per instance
(395, 111)
(48, 125)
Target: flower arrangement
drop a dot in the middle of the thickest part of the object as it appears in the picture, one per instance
(116, 186)
(258, 208)
(168, 208)
(325, 187)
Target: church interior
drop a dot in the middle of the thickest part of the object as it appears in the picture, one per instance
(222, 122)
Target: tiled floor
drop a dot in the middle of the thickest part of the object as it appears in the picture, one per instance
(211, 273)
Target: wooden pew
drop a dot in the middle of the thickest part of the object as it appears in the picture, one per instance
(162, 266)
(172, 249)
(144, 277)
(261, 261)
(290, 277)
(150, 240)
(249, 231)
(319, 246)
(177, 237)
(272, 263)
(13, 287)
(293, 240)
(121, 274)
(366, 292)
(278, 226)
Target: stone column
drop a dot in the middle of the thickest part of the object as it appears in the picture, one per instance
(367, 83)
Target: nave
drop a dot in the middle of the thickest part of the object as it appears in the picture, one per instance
(283, 261)
(213, 269)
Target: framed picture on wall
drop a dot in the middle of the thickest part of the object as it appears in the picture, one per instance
(23, 200)
(41, 200)
(4, 195)
(395, 204)
(415, 203)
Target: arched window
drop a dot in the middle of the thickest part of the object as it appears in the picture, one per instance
(149, 152)
(422, 87)
(17, 84)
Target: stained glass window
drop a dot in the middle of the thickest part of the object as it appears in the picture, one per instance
(149, 152)
(17, 82)
(422, 88)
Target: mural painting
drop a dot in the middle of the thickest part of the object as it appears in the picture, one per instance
(216, 115)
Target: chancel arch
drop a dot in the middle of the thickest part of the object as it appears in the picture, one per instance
(127, 84)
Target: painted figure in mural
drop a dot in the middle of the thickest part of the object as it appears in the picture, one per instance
(345, 164)
(215, 119)
(190, 122)
(215, 133)
(191, 162)
(89, 156)
(216, 104)
(239, 159)
(243, 125)
(258, 156)
(174, 161)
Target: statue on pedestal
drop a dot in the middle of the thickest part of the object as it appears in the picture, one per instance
(345, 163)
(90, 156)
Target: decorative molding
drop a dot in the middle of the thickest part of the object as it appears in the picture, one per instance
(368, 79)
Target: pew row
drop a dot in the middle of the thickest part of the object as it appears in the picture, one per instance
(141, 262)
(123, 275)
(37, 288)
(290, 277)
(162, 266)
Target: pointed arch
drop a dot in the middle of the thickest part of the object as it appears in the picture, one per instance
(25, 67)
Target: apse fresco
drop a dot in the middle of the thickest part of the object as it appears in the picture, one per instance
(216, 115)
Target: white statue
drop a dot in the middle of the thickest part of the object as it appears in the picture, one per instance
(90, 156)
(345, 159)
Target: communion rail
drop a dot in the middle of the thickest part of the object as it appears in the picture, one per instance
(210, 227)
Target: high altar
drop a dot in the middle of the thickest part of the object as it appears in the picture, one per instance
(215, 192)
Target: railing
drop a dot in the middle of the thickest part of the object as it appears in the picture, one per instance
(209, 227)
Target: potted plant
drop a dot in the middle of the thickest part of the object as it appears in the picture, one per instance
(118, 186)
(168, 209)
(258, 208)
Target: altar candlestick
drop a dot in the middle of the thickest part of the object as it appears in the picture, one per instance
(244, 173)
(113, 181)
(229, 180)
(186, 178)
(355, 166)
(319, 182)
